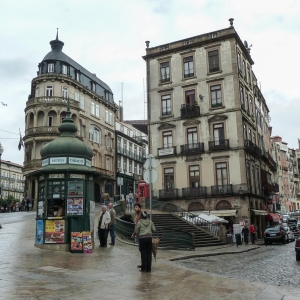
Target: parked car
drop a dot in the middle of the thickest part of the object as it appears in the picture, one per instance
(294, 229)
(297, 249)
(290, 234)
(275, 234)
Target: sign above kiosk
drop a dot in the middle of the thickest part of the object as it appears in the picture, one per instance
(63, 160)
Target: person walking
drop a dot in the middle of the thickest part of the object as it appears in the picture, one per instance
(104, 220)
(245, 233)
(112, 223)
(130, 199)
(106, 198)
(138, 215)
(252, 233)
(144, 229)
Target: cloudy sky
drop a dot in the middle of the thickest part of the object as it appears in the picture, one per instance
(108, 38)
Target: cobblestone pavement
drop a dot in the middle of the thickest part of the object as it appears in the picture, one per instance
(275, 264)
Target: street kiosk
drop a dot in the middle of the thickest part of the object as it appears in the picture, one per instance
(66, 207)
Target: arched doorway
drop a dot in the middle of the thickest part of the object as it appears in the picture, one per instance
(196, 206)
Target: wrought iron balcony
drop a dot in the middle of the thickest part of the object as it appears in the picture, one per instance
(190, 149)
(258, 151)
(168, 194)
(189, 111)
(249, 146)
(218, 145)
(166, 151)
(194, 191)
(219, 190)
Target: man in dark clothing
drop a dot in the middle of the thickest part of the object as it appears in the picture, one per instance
(245, 233)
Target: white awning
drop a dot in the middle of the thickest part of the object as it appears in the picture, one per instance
(259, 212)
(219, 213)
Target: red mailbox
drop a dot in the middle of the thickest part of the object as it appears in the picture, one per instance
(143, 190)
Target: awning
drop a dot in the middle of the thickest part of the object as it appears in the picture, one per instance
(259, 212)
(219, 213)
(273, 217)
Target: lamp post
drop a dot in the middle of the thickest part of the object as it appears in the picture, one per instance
(1, 152)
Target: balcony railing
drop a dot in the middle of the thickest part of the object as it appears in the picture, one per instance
(285, 168)
(166, 151)
(218, 145)
(268, 187)
(250, 146)
(52, 100)
(131, 154)
(189, 111)
(168, 194)
(190, 149)
(42, 129)
(221, 190)
(165, 79)
(194, 191)
(272, 162)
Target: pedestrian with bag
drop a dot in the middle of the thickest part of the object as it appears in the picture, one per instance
(144, 229)
(104, 220)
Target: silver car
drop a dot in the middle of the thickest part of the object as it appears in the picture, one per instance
(290, 234)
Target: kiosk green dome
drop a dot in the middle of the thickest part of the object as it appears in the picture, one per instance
(66, 146)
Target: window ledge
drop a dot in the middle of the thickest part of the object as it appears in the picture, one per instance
(218, 107)
(108, 123)
(167, 116)
(188, 78)
(94, 116)
(165, 83)
(213, 73)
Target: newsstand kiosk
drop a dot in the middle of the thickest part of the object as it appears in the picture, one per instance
(66, 207)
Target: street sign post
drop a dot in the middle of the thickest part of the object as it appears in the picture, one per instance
(150, 176)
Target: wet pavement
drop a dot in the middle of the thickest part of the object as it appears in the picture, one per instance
(27, 272)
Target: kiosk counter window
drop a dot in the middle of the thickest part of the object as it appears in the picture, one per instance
(75, 197)
(56, 199)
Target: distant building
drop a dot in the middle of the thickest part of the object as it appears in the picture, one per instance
(12, 180)
(92, 108)
(209, 128)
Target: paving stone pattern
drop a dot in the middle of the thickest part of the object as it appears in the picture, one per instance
(275, 264)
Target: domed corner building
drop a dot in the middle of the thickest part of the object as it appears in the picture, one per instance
(92, 109)
(65, 206)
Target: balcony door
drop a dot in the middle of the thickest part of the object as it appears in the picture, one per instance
(194, 176)
(167, 139)
(219, 136)
(192, 137)
(190, 97)
(169, 179)
(221, 174)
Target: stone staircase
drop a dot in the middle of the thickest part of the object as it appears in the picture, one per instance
(201, 237)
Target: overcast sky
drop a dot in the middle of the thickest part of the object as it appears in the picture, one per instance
(108, 38)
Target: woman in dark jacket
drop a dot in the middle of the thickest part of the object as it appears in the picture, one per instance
(144, 229)
(245, 232)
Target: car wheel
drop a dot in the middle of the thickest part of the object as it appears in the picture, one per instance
(284, 241)
(297, 257)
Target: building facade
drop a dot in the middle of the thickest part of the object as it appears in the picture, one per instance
(132, 150)
(92, 108)
(12, 180)
(209, 127)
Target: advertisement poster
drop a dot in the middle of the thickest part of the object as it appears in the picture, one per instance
(40, 209)
(76, 241)
(39, 232)
(75, 206)
(87, 242)
(55, 232)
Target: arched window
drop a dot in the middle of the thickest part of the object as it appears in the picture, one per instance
(95, 134)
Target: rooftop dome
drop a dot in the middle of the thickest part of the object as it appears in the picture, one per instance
(67, 144)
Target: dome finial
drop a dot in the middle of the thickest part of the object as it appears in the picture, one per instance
(57, 34)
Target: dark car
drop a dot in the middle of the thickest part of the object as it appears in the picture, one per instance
(275, 234)
(294, 229)
(297, 249)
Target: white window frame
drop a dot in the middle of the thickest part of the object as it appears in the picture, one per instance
(108, 163)
(93, 87)
(106, 116)
(97, 111)
(77, 76)
(76, 96)
(95, 134)
(64, 92)
(48, 90)
(107, 141)
(50, 67)
(64, 69)
(81, 102)
(92, 108)
(110, 118)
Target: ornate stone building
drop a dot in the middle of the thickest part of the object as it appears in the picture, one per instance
(92, 108)
(209, 127)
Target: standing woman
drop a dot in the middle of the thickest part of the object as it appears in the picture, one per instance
(144, 229)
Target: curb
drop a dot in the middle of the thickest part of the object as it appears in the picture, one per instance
(211, 254)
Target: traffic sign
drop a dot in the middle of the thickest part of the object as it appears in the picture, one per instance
(154, 176)
(153, 162)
